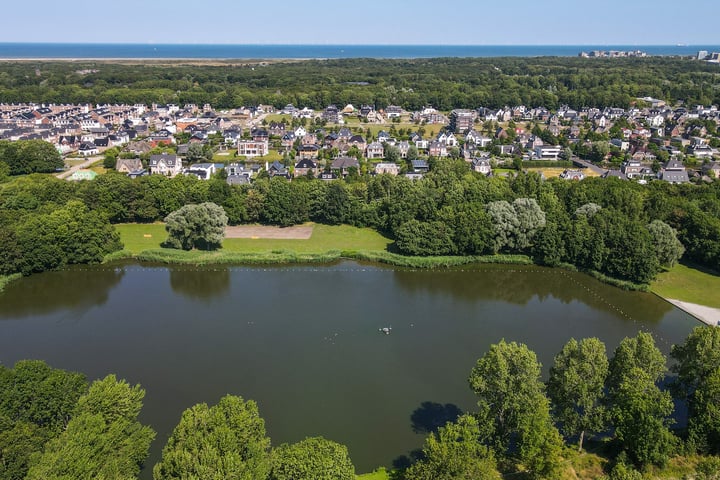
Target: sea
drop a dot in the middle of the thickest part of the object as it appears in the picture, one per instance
(207, 51)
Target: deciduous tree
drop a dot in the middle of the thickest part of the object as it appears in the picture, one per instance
(455, 452)
(312, 459)
(226, 441)
(196, 226)
(576, 387)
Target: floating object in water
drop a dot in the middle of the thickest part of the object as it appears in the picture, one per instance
(385, 330)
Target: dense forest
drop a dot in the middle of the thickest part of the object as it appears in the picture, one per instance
(621, 229)
(445, 83)
(54, 425)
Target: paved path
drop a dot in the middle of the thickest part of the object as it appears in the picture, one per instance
(73, 169)
(708, 315)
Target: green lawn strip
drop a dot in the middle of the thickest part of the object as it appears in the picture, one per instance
(141, 237)
(688, 284)
(379, 474)
(137, 237)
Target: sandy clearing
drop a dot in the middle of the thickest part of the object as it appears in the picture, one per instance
(299, 232)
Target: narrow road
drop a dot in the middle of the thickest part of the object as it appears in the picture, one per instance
(85, 164)
(586, 164)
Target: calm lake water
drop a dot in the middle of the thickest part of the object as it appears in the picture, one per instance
(304, 341)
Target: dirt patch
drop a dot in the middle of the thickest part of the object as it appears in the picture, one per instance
(300, 232)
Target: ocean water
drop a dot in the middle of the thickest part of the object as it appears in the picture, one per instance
(179, 51)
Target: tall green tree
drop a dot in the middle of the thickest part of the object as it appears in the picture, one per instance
(635, 352)
(513, 407)
(516, 224)
(576, 387)
(36, 404)
(667, 246)
(103, 440)
(314, 458)
(226, 441)
(640, 411)
(196, 226)
(641, 415)
(67, 235)
(455, 452)
(697, 361)
(30, 156)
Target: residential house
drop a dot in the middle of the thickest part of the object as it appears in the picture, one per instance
(632, 168)
(260, 135)
(343, 165)
(305, 167)
(478, 139)
(87, 149)
(548, 152)
(462, 120)
(277, 129)
(420, 166)
(308, 151)
(506, 149)
(251, 148)
(482, 165)
(161, 137)
(202, 170)
(277, 169)
(712, 169)
(383, 136)
(674, 172)
(614, 173)
(572, 175)
(165, 164)
(375, 150)
(437, 149)
(393, 111)
(403, 147)
(127, 165)
(331, 114)
(386, 167)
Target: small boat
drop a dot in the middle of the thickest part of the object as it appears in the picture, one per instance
(385, 330)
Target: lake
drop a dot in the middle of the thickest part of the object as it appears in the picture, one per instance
(303, 341)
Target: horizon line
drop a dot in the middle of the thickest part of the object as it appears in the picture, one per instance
(679, 45)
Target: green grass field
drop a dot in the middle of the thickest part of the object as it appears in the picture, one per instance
(139, 237)
(688, 285)
(379, 474)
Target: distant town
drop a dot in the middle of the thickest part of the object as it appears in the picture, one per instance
(651, 141)
(703, 55)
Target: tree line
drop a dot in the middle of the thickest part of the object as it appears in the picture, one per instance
(621, 229)
(445, 83)
(53, 424)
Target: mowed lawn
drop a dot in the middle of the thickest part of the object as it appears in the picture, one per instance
(138, 237)
(688, 285)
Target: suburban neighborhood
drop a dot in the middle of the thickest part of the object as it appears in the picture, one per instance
(651, 141)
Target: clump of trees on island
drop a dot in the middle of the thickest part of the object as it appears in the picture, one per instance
(620, 229)
(54, 425)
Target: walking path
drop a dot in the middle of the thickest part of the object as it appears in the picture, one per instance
(80, 166)
(708, 315)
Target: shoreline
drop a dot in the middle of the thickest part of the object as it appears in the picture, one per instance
(708, 315)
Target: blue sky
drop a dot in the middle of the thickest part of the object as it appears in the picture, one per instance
(459, 22)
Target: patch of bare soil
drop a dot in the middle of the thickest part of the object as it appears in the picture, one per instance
(298, 232)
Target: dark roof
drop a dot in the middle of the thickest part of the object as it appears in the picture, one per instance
(306, 163)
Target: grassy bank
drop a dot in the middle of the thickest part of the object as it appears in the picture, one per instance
(141, 237)
(379, 474)
(6, 279)
(688, 284)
